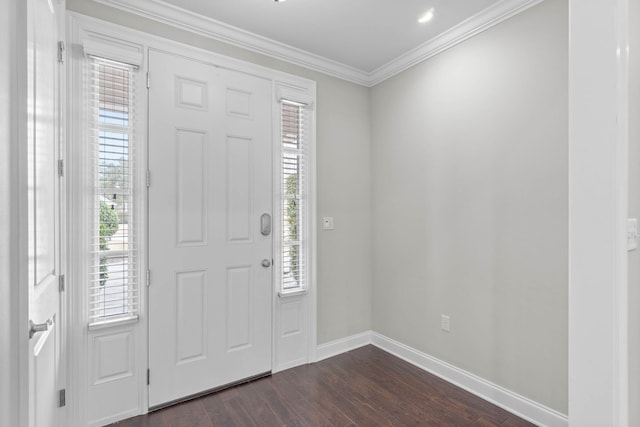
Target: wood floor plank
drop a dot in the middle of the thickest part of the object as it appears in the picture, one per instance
(362, 384)
(366, 387)
(425, 385)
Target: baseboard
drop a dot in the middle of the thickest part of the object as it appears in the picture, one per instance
(506, 399)
(334, 348)
(519, 405)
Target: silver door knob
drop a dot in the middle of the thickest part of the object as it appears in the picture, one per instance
(34, 328)
(266, 263)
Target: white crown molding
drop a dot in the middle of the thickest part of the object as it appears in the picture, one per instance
(165, 13)
(476, 24)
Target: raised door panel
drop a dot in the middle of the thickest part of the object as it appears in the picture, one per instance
(191, 187)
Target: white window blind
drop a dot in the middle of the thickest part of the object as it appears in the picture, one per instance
(113, 268)
(294, 198)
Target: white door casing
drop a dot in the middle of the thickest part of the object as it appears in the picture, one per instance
(210, 159)
(43, 211)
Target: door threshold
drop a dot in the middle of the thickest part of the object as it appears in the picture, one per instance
(209, 391)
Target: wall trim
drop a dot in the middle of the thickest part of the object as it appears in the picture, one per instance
(499, 396)
(183, 19)
(472, 26)
(166, 13)
(342, 345)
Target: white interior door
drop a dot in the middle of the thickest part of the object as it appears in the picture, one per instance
(210, 258)
(44, 249)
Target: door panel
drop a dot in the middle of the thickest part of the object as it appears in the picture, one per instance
(210, 162)
(43, 193)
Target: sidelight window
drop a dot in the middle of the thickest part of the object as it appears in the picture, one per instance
(294, 199)
(113, 264)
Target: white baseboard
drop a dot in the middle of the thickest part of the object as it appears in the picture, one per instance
(518, 405)
(334, 348)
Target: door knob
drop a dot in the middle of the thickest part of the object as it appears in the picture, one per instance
(266, 263)
(34, 328)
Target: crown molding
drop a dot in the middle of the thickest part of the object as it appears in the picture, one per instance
(165, 13)
(476, 24)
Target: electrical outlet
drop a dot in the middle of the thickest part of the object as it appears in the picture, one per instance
(327, 223)
(445, 322)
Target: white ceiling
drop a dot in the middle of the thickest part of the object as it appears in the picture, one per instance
(364, 34)
(364, 41)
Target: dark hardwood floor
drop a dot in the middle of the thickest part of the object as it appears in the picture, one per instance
(363, 387)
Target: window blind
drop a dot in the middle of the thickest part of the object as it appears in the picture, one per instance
(294, 198)
(113, 268)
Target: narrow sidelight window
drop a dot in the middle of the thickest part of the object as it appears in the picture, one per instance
(294, 198)
(113, 263)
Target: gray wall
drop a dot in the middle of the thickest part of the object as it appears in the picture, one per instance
(344, 173)
(634, 211)
(469, 160)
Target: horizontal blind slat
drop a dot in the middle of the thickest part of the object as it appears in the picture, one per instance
(293, 189)
(112, 279)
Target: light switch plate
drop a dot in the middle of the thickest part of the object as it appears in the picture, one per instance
(632, 234)
(327, 223)
(445, 323)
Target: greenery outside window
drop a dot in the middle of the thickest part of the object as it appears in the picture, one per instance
(294, 198)
(113, 275)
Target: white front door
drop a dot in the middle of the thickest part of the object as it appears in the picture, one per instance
(210, 246)
(43, 205)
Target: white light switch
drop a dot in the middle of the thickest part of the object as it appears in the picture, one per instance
(445, 323)
(632, 234)
(327, 223)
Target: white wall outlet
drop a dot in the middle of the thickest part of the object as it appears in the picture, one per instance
(327, 223)
(445, 322)
(632, 234)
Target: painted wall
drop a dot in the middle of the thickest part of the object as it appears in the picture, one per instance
(344, 173)
(634, 210)
(469, 160)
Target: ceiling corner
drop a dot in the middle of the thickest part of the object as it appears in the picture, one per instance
(476, 24)
(165, 13)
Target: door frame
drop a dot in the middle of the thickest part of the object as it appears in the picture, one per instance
(598, 209)
(79, 28)
(14, 286)
(14, 394)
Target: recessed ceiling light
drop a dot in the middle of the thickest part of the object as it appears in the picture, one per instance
(279, 1)
(428, 16)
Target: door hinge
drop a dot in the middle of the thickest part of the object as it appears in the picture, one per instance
(148, 81)
(148, 277)
(60, 168)
(61, 283)
(61, 49)
(62, 398)
(148, 178)
(148, 376)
